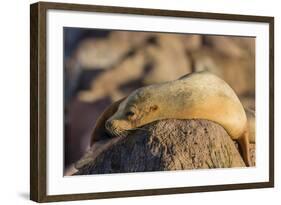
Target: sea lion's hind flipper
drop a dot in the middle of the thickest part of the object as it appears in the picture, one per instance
(243, 142)
(99, 129)
(251, 117)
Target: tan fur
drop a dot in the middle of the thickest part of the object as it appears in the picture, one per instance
(199, 95)
(251, 117)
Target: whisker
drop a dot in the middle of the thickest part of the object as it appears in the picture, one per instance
(116, 133)
(113, 132)
(121, 134)
(124, 133)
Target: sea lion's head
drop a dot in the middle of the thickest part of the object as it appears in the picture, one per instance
(136, 110)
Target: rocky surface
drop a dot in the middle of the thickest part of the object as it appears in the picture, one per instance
(166, 145)
(157, 57)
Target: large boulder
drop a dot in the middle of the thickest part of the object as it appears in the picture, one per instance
(164, 145)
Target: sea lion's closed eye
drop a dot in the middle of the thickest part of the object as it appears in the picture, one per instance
(130, 114)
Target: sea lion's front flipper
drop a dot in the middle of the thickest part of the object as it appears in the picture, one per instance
(99, 129)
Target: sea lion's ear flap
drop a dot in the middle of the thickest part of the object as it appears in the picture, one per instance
(99, 129)
(153, 108)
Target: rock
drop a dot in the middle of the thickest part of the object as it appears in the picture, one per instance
(149, 64)
(169, 59)
(108, 83)
(107, 52)
(226, 67)
(234, 47)
(165, 145)
(248, 101)
(191, 42)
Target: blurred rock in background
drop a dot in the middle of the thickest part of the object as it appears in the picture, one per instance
(102, 66)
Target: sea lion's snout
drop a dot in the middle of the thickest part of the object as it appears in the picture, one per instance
(109, 127)
(116, 127)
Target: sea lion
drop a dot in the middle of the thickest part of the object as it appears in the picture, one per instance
(199, 95)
